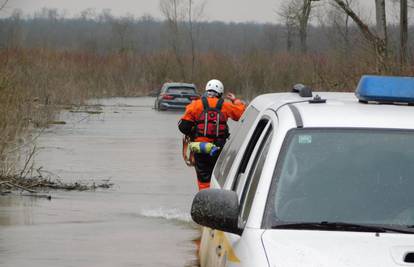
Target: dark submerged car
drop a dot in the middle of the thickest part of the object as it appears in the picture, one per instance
(175, 96)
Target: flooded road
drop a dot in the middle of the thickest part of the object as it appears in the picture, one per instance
(143, 221)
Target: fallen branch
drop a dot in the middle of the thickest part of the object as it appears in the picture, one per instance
(49, 197)
(22, 187)
(44, 183)
(4, 4)
(33, 193)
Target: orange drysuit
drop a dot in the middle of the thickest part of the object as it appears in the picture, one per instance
(204, 163)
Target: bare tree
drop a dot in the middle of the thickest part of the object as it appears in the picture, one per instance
(15, 30)
(122, 28)
(190, 31)
(297, 14)
(381, 21)
(194, 11)
(181, 17)
(403, 32)
(379, 44)
(404, 5)
(88, 14)
(105, 16)
(339, 25)
(345, 32)
(303, 20)
(174, 14)
(270, 38)
(3, 5)
(288, 14)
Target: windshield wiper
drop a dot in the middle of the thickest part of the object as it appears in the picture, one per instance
(341, 226)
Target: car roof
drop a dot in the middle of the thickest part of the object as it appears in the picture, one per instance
(175, 84)
(340, 110)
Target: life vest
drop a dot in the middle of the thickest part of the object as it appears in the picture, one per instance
(212, 123)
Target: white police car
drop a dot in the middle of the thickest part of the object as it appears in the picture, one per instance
(315, 181)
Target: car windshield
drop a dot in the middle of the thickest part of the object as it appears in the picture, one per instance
(181, 90)
(360, 176)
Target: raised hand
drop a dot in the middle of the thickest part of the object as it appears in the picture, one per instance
(231, 97)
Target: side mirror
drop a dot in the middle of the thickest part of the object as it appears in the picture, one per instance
(217, 209)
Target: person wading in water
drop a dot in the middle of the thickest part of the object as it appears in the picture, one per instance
(205, 122)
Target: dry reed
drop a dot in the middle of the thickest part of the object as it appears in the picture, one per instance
(34, 83)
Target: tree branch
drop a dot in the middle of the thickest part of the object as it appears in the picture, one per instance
(362, 26)
(4, 4)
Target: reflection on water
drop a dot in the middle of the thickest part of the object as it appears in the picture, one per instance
(143, 221)
(16, 210)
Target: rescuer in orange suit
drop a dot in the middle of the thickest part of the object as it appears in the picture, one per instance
(205, 120)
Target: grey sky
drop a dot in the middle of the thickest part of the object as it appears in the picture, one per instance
(224, 10)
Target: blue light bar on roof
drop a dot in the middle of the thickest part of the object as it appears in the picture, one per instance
(386, 89)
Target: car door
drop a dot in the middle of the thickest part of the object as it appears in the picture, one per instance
(209, 237)
(248, 175)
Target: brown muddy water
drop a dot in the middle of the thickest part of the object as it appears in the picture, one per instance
(143, 221)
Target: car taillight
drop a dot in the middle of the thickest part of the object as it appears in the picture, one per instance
(167, 97)
(194, 97)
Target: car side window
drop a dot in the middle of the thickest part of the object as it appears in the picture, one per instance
(231, 149)
(248, 153)
(253, 177)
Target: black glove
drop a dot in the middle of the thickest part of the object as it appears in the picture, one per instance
(186, 127)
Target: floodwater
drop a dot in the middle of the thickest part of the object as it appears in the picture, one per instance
(143, 220)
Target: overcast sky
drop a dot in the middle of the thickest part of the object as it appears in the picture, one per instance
(224, 10)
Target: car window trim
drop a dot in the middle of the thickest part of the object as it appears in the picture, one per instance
(267, 136)
(219, 173)
(252, 159)
(238, 171)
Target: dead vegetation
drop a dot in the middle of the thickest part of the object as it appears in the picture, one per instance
(36, 182)
(38, 186)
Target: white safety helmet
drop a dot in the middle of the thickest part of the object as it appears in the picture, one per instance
(216, 86)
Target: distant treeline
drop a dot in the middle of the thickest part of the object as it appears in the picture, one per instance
(107, 34)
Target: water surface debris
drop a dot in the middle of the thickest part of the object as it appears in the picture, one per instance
(57, 122)
(38, 184)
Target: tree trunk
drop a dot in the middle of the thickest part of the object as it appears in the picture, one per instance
(3, 5)
(170, 10)
(190, 22)
(381, 20)
(346, 31)
(289, 37)
(403, 33)
(303, 25)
